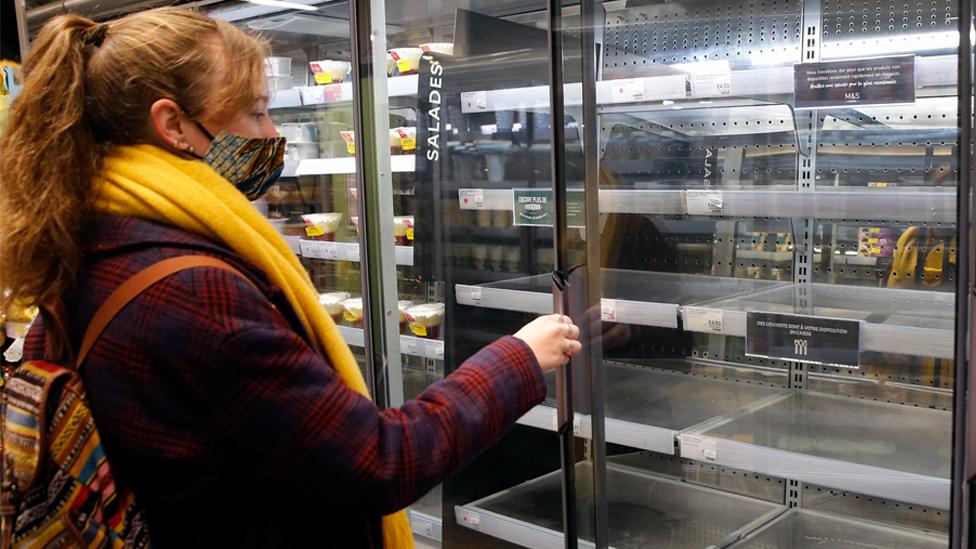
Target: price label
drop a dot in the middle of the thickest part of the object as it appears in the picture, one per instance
(471, 520)
(700, 448)
(475, 295)
(712, 84)
(472, 199)
(703, 202)
(319, 250)
(313, 95)
(699, 319)
(435, 350)
(474, 101)
(410, 346)
(332, 94)
(627, 91)
(608, 310)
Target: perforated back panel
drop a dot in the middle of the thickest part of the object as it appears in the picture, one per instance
(852, 28)
(640, 40)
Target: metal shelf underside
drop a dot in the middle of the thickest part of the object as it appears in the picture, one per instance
(645, 510)
(910, 322)
(881, 205)
(859, 445)
(646, 408)
(802, 529)
(935, 77)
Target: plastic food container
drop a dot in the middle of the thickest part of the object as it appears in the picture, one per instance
(301, 151)
(406, 139)
(352, 312)
(403, 305)
(349, 137)
(321, 226)
(446, 48)
(395, 147)
(277, 66)
(303, 132)
(403, 230)
(329, 71)
(425, 320)
(407, 60)
(332, 302)
(390, 64)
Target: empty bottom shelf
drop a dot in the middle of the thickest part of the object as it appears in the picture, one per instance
(644, 510)
(800, 529)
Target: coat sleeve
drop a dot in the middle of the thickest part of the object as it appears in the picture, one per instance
(284, 417)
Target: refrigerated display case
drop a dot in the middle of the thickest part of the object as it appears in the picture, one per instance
(757, 211)
(753, 210)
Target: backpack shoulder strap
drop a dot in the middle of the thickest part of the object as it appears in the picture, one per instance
(140, 282)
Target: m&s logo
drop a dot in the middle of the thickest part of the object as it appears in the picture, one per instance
(800, 347)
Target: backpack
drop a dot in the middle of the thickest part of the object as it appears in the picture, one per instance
(57, 484)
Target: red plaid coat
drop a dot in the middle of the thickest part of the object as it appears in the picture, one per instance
(234, 432)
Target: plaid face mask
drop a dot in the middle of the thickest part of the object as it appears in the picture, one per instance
(252, 164)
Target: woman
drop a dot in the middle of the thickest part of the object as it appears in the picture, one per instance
(143, 139)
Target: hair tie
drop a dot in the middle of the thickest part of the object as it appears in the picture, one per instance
(96, 35)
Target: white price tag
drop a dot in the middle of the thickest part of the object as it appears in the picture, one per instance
(435, 349)
(410, 346)
(472, 199)
(608, 310)
(313, 95)
(700, 448)
(703, 202)
(476, 296)
(700, 319)
(711, 84)
(474, 101)
(627, 91)
(470, 520)
(319, 250)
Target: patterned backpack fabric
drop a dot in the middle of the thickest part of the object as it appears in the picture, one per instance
(58, 489)
(57, 486)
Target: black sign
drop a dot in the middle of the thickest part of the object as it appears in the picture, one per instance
(809, 339)
(877, 81)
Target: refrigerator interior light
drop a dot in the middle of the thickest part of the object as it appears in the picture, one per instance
(704, 67)
(283, 4)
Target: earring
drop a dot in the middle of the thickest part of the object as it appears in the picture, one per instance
(191, 151)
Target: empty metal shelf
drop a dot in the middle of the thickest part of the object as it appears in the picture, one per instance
(801, 529)
(863, 446)
(647, 407)
(645, 510)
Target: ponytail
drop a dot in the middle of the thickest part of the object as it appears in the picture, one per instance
(48, 157)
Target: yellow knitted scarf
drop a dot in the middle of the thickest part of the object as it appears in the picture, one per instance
(147, 182)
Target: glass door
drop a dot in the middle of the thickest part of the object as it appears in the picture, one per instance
(315, 205)
(778, 249)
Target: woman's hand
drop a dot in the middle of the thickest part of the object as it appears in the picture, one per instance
(553, 339)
